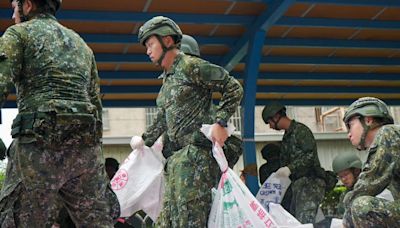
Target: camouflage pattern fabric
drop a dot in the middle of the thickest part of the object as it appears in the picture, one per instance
(184, 104)
(307, 195)
(191, 173)
(340, 206)
(382, 170)
(57, 157)
(299, 153)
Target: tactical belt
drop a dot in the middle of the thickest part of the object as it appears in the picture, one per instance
(23, 124)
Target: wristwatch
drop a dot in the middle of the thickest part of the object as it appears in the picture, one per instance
(222, 123)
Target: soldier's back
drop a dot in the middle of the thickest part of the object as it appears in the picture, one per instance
(55, 65)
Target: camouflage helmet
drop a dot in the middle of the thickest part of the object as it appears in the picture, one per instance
(271, 109)
(190, 46)
(345, 161)
(368, 106)
(161, 26)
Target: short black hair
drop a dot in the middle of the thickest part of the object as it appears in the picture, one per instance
(112, 163)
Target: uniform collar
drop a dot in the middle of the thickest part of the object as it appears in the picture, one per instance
(291, 127)
(44, 16)
(177, 59)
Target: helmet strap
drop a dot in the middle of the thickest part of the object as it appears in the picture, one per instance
(276, 122)
(164, 49)
(22, 16)
(366, 128)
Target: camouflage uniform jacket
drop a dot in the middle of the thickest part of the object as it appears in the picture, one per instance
(51, 67)
(382, 168)
(184, 100)
(299, 151)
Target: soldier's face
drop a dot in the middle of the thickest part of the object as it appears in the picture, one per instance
(15, 16)
(347, 178)
(27, 6)
(273, 122)
(355, 129)
(153, 49)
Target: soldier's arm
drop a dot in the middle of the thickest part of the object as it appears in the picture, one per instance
(154, 131)
(10, 61)
(5, 79)
(376, 177)
(94, 90)
(218, 80)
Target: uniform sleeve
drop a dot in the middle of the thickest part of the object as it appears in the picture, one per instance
(304, 154)
(376, 178)
(94, 90)
(95, 97)
(154, 131)
(218, 80)
(11, 58)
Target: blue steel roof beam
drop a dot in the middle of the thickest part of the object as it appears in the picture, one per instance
(330, 43)
(383, 3)
(128, 75)
(131, 38)
(331, 61)
(118, 75)
(134, 17)
(265, 21)
(129, 103)
(326, 76)
(271, 42)
(334, 101)
(326, 89)
(337, 23)
(132, 58)
(130, 89)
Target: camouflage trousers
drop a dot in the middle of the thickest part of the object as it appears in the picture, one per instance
(44, 175)
(307, 195)
(191, 173)
(370, 212)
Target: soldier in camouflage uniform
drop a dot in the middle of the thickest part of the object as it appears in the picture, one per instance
(371, 128)
(56, 158)
(184, 104)
(347, 167)
(299, 161)
(233, 147)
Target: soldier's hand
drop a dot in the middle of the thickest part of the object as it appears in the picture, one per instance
(283, 172)
(137, 143)
(3, 150)
(219, 134)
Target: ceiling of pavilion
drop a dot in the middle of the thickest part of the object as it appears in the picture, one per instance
(304, 52)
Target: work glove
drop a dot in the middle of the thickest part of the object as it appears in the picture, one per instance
(137, 143)
(3, 150)
(283, 172)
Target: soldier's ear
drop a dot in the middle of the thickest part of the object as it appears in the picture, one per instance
(29, 6)
(369, 120)
(168, 41)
